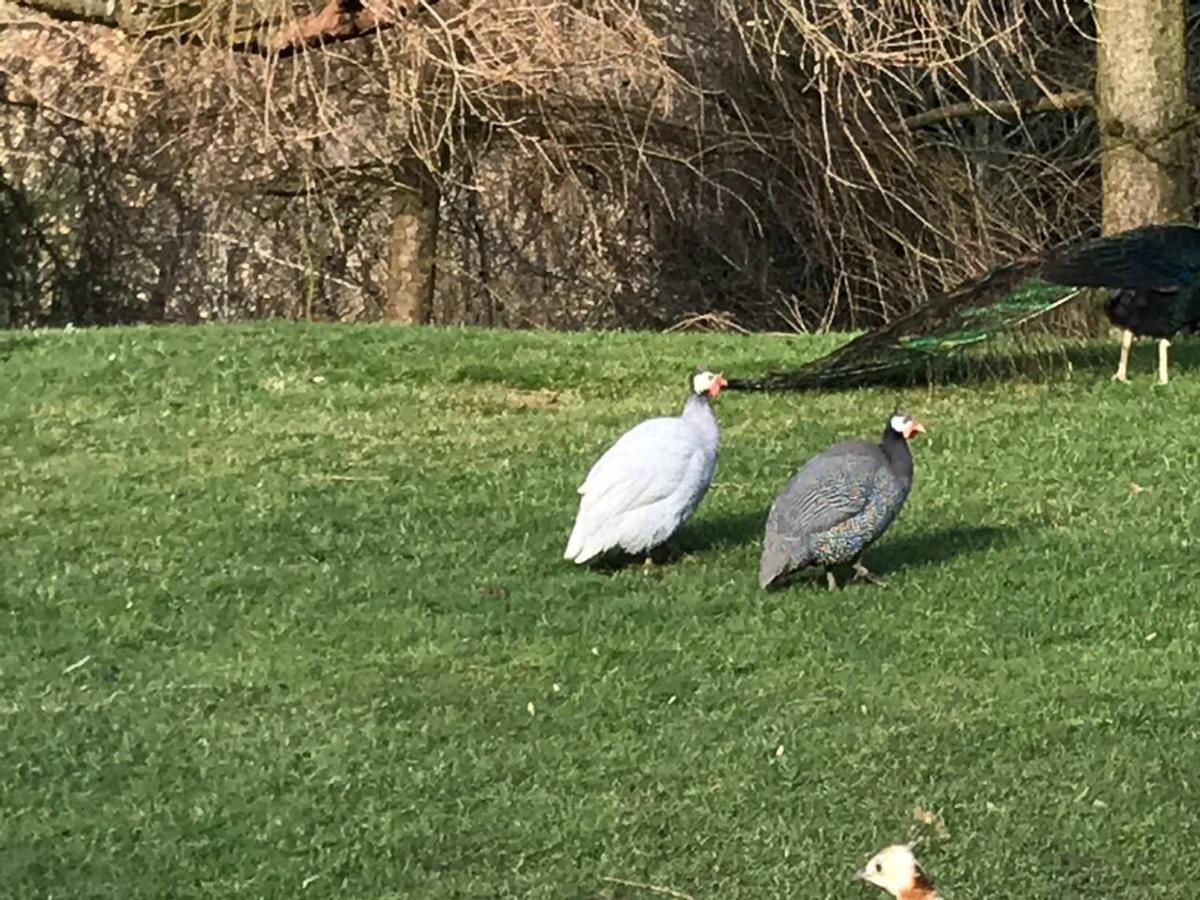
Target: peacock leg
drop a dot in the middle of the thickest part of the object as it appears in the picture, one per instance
(861, 571)
(830, 580)
(1123, 366)
(1162, 361)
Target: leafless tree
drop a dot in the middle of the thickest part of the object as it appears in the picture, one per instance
(571, 163)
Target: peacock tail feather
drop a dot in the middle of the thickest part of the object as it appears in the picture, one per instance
(923, 339)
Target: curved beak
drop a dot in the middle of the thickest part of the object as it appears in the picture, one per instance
(915, 428)
(861, 874)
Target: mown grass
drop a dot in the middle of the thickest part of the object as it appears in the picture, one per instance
(286, 616)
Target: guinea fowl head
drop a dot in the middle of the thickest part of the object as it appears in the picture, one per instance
(905, 425)
(895, 869)
(706, 382)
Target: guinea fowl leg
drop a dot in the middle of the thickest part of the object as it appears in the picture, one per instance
(830, 580)
(1123, 366)
(861, 571)
(1162, 361)
(664, 554)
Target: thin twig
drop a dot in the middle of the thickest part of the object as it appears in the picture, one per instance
(77, 664)
(652, 888)
(319, 477)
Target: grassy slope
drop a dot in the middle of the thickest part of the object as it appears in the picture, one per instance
(316, 577)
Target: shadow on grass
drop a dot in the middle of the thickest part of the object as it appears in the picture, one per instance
(1098, 359)
(722, 532)
(12, 342)
(890, 556)
(932, 547)
(712, 533)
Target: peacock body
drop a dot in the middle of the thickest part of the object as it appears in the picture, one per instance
(1153, 277)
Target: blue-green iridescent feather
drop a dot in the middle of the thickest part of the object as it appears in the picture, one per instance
(971, 314)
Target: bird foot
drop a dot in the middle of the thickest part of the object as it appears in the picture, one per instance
(830, 580)
(861, 571)
(1121, 377)
(657, 557)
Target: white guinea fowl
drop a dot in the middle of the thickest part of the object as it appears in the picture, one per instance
(895, 870)
(651, 480)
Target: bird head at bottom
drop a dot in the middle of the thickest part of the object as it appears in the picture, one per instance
(895, 870)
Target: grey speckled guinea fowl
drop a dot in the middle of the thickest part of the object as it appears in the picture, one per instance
(838, 504)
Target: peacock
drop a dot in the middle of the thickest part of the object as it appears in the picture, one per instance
(1153, 277)
(1152, 274)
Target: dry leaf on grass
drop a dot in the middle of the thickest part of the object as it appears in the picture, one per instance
(933, 820)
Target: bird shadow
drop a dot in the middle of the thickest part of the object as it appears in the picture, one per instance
(1038, 360)
(926, 548)
(929, 548)
(715, 533)
(723, 532)
(1099, 359)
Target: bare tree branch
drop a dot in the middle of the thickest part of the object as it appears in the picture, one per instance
(250, 31)
(339, 20)
(1000, 108)
(102, 12)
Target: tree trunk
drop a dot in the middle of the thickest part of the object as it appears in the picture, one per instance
(1143, 112)
(413, 248)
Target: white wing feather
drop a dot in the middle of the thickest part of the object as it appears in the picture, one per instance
(642, 489)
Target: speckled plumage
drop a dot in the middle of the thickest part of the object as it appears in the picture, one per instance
(836, 506)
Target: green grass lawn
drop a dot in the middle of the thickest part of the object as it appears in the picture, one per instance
(285, 615)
